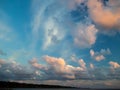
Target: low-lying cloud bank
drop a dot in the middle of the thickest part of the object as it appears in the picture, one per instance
(57, 69)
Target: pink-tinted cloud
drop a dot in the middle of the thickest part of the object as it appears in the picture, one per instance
(35, 64)
(107, 17)
(114, 65)
(59, 66)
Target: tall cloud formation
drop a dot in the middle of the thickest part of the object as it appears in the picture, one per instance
(98, 56)
(106, 16)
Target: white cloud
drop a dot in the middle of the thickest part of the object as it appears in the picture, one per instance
(53, 33)
(46, 25)
(85, 35)
(98, 56)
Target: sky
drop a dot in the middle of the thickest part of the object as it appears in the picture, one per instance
(63, 42)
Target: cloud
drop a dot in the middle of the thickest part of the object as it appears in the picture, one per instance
(100, 84)
(11, 70)
(114, 65)
(55, 20)
(91, 66)
(82, 64)
(98, 56)
(35, 64)
(107, 16)
(47, 20)
(53, 33)
(57, 68)
(85, 36)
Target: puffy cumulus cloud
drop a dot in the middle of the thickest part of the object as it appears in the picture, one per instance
(114, 65)
(85, 36)
(57, 68)
(98, 56)
(106, 16)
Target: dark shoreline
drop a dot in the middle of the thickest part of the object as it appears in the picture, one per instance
(4, 85)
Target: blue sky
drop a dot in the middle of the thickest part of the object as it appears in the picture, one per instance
(55, 40)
